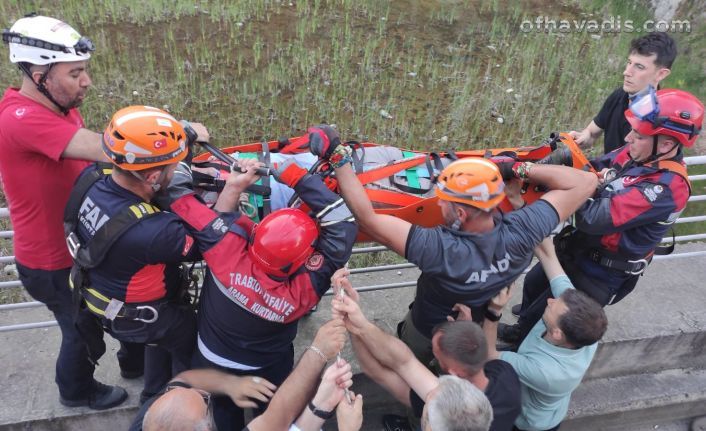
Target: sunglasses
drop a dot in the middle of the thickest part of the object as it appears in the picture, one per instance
(205, 395)
(83, 46)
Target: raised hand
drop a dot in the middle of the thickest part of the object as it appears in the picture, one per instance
(323, 140)
(498, 302)
(330, 338)
(337, 377)
(350, 415)
(241, 181)
(289, 173)
(464, 313)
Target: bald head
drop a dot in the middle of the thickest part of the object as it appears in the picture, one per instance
(180, 409)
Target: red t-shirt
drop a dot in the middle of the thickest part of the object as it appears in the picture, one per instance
(36, 181)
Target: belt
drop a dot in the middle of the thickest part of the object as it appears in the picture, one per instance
(632, 267)
(111, 309)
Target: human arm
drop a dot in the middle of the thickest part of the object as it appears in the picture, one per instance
(386, 377)
(241, 389)
(336, 378)
(387, 230)
(383, 376)
(236, 184)
(546, 253)
(490, 328)
(85, 145)
(568, 187)
(389, 351)
(296, 391)
(638, 204)
(587, 137)
(513, 192)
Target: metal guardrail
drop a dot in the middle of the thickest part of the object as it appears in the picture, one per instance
(697, 160)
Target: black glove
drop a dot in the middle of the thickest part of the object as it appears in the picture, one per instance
(180, 185)
(323, 140)
(505, 164)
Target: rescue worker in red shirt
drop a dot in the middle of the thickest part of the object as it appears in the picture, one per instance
(44, 146)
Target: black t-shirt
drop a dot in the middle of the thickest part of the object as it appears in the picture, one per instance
(137, 422)
(611, 119)
(503, 392)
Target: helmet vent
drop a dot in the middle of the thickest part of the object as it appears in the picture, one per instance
(118, 135)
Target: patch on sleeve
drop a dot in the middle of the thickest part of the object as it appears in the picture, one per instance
(188, 243)
(651, 193)
(315, 261)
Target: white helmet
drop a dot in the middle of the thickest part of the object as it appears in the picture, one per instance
(44, 40)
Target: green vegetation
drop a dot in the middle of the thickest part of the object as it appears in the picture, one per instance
(253, 69)
(452, 73)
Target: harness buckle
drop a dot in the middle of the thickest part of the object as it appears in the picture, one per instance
(155, 314)
(642, 262)
(73, 244)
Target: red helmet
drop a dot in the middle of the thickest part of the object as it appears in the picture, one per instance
(670, 112)
(283, 241)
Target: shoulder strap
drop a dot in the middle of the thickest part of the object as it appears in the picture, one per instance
(675, 167)
(92, 253)
(79, 191)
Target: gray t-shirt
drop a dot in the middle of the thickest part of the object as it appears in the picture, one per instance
(470, 268)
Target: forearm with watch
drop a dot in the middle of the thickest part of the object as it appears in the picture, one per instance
(493, 314)
(315, 415)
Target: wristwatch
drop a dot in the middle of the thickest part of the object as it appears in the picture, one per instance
(490, 315)
(323, 414)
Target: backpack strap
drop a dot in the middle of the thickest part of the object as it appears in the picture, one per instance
(92, 253)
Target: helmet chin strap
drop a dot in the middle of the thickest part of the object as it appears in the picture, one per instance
(41, 87)
(655, 155)
(157, 185)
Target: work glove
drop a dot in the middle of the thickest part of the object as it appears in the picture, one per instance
(180, 185)
(505, 164)
(323, 140)
(289, 173)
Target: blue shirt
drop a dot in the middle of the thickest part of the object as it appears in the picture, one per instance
(548, 373)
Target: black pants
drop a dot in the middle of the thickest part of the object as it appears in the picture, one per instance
(226, 414)
(74, 371)
(169, 342)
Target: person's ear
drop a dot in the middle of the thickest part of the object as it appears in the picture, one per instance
(662, 73)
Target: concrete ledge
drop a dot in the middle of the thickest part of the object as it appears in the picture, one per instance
(659, 326)
(640, 399)
(648, 355)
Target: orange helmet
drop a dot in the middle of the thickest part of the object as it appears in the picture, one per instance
(142, 137)
(283, 241)
(472, 181)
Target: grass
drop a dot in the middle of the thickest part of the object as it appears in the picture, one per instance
(253, 69)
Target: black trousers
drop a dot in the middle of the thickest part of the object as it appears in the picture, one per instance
(169, 342)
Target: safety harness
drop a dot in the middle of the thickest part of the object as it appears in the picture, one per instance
(89, 255)
(569, 239)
